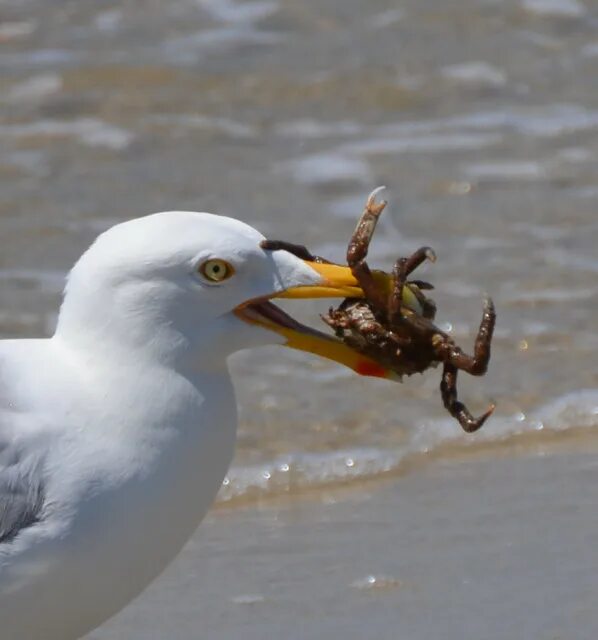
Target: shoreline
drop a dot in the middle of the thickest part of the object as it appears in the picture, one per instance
(461, 449)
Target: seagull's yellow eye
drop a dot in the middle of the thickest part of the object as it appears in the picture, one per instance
(216, 270)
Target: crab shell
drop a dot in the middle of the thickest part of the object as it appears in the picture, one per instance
(356, 324)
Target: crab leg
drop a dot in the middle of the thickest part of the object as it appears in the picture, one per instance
(417, 258)
(448, 390)
(296, 249)
(422, 284)
(358, 249)
(399, 273)
(403, 267)
(478, 364)
(360, 240)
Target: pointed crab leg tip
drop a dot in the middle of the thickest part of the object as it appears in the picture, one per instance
(375, 192)
(431, 254)
(373, 207)
(487, 414)
(489, 308)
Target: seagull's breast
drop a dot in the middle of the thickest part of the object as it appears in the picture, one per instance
(131, 485)
(163, 469)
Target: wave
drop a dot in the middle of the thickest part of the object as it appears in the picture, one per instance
(302, 472)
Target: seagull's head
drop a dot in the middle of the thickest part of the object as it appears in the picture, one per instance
(177, 284)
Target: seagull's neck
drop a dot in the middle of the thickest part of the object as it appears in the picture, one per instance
(144, 340)
(162, 347)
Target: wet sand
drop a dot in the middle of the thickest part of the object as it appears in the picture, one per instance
(494, 547)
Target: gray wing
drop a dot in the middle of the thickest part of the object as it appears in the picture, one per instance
(21, 492)
(22, 435)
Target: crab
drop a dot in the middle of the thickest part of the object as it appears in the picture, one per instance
(393, 323)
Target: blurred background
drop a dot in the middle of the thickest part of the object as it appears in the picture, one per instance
(354, 505)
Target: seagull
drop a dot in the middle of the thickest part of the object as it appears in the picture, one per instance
(116, 432)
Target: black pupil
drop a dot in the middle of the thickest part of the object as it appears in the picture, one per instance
(216, 268)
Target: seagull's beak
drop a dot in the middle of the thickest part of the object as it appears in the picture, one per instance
(336, 282)
(339, 282)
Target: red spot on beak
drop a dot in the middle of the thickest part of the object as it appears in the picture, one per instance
(369, 368)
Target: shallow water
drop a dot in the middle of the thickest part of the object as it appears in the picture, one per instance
(481, 117)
